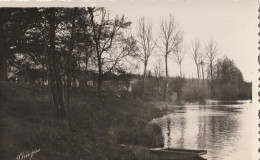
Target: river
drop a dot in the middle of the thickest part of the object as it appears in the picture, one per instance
(223, 129)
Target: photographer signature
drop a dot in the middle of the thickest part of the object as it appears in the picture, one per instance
(29, 155)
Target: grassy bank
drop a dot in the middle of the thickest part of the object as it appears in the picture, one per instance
(94, 131)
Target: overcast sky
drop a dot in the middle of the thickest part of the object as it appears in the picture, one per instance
(232, 23)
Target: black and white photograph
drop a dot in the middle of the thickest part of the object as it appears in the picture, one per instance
(129, 80)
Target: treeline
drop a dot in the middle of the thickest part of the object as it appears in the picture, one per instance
(228, 81)
(60, 43)
(227, 84)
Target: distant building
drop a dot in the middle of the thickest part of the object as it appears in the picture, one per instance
(110, 81)
(36, 76)
(81, 79)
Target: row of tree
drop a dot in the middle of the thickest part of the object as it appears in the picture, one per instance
(227, 83)
(62, 41)
(170, 44)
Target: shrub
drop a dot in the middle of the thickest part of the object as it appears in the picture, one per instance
(195, 92)
(141, 133)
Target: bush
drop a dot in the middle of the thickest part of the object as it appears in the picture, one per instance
(195, 92)
(141, 133)
(176, 85)
(227, 92)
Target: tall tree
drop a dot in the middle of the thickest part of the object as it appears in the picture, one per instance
(170, 37)
(202, 64)
(58, 28)
(51, 41)
(145, 43)
(106, 33)
(178, 57)
(158, 68)
(84, 44)
(228, 80)
(158, 71)
(196, 55)
(54, 68)
(68, 69)
(211, 50)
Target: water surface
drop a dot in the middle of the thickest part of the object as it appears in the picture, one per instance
(224, 130)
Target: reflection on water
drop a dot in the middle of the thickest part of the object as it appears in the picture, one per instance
(223, 130)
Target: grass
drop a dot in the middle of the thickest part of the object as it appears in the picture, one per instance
(94, 131)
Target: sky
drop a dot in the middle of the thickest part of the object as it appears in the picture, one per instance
(232, 24)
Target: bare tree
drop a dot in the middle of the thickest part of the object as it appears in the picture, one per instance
(202, 63)
(145, 44)
(170, 37)
(196, 54)
(106, 32)
(178, 56)
(211, 50)
(158, 71)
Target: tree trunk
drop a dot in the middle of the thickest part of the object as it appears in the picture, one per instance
(100, 85)
(59, 89)
(159, 86)
(98, 52)
(56, 85)
(144, 78)
(100, 76)
(52, 84)
(166, 78)
(53, 90)
(3, 56)
(180, 71)
(211, 78)
(202, 73)
(3, 66)
(198, 72)
(68, 68)
(86, 75)
(211, 71)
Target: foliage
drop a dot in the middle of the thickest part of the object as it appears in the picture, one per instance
(228, 82)
(138, 132)
(195, 91)
(63, 42)
(112, 47)
(177, 85)
(66, 43)
(14, 23)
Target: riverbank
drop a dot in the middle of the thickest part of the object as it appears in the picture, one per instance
(95, 130)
